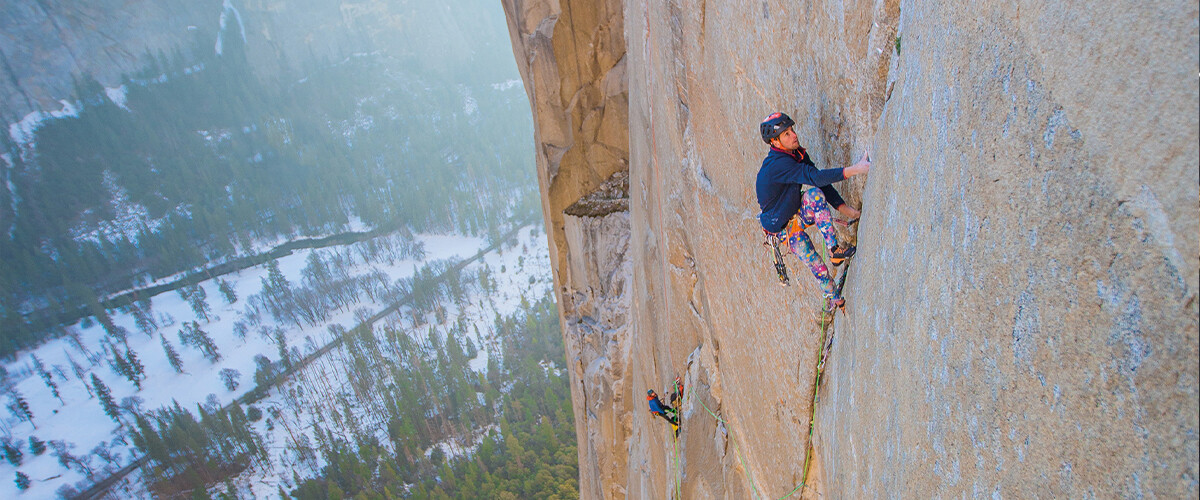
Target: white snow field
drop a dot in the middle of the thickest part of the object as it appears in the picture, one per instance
(80, 422)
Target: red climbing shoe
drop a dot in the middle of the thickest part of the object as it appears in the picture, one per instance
(841, 254)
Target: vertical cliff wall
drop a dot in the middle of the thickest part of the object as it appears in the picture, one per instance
(1022, 314)
(572, 59)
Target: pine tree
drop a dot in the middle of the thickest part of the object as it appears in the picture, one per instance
(49, 379)
(172, 355)
(264, 371)
(19, 407)
(197, 298)
(281, 345)
(101, 315)
(147, 439)
(208, 347)
(76, 368)
(119, 364)
(192, 335)
(12, 453)
(136, 370)
(227, 291)
(106, 399)
(36, 446)
(22, 481)
(144, 318)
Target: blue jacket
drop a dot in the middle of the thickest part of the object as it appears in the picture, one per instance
(780, 186)
(656, 406)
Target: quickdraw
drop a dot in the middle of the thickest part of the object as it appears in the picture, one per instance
(772, 242)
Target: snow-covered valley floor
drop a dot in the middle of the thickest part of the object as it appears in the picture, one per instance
(520, 269)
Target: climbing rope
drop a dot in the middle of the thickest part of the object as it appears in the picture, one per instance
(737, 450)
(678, 479)
(820, 370)
(816, 391)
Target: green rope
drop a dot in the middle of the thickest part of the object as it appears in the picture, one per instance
(816, 396)
(811, 425)
(797, 488)
(737, 450)
(678, 479)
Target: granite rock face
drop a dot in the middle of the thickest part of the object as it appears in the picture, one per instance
(1022, 314)
(572, 59)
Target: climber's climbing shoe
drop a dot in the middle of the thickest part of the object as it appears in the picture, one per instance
(840, 254)
(833, 304)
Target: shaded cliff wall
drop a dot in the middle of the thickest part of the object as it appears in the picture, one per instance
(1022, 314)
(572, 59)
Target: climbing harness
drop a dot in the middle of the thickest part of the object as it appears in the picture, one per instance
(772, 242)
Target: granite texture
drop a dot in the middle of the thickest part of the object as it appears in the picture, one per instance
(1022, 313)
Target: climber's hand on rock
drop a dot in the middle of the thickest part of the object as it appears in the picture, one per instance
(849, 211)
(863, 166)
(859, 168)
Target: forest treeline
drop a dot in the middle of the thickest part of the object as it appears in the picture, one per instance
(201, 161)
(415, 420)
(526, 438)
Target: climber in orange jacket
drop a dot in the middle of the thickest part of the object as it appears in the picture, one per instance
(794, 194)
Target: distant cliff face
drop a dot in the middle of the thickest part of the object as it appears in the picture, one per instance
(49, 42)
(1022, 313)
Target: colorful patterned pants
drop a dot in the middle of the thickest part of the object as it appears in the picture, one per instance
(813, 211)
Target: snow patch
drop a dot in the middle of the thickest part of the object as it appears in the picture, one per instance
(117, 95)
(454, 448)
(12, 191)
(23, 131)
(129, 219)
(226, 8)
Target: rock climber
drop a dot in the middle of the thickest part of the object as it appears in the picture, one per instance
(658, 408)
(794, 194)
(676, 396)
